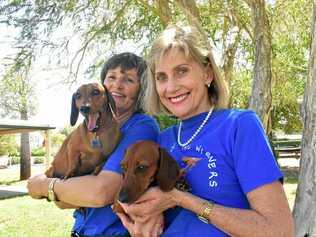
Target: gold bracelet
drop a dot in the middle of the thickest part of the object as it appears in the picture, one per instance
(204, 215)
(51, 196)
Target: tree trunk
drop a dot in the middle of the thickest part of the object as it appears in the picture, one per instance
(164, 12)
(25, 159)
(229, 59)
(192, 13)
(261, 98)
(305, 201)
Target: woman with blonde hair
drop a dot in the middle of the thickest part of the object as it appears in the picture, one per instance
(235, 183)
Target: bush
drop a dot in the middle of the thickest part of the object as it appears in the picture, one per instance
(38, 159)
(8, 144)
(14, 153)
(40, 151)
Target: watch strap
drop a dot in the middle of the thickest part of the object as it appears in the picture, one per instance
(51, 196)
(207, 209)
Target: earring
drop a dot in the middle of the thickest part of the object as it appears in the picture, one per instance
(208, 85)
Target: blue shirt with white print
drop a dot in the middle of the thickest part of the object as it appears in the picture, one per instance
(102, 221)
(229, 158)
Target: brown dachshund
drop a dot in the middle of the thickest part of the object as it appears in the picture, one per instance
(85, 150)
(145, 164)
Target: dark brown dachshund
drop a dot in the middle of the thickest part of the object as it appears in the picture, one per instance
(145, 164)
(85, 150)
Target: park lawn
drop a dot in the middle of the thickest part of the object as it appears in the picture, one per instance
(27, 217)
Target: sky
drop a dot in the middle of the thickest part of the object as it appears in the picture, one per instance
(53, 99)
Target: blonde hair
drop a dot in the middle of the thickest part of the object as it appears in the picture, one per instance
(191, 42)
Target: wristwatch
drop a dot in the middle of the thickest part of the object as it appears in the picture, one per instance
(51, 196)
(204, 215)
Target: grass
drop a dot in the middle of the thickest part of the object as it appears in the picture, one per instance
(290, 183)
(27, 217)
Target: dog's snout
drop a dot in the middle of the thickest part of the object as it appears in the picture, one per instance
(84, 109)
(123, 196)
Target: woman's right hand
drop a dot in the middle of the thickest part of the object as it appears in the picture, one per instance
(152, 203)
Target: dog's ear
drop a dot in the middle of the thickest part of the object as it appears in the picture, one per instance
(168, 171)
(74, 111)
(110, 102)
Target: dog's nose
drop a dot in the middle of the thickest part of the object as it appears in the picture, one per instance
(84, 109)
(123, 196)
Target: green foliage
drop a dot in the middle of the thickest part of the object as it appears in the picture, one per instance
(57, 139)
(66, 130)
(240, 90)
(165, 121)
(39, 151)
(17, 94)
(290, 42)
(8, 145)
(38, 159)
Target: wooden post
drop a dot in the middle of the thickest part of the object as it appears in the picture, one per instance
(47, 148)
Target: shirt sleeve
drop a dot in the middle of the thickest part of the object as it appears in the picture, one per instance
(254, 160)
(139, 131)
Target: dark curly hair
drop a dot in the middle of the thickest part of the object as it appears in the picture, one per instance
(128, 61)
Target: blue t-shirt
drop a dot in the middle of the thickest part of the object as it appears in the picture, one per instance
(230, 157)
(102, 220)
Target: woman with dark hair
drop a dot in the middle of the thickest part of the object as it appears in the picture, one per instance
(122, 75)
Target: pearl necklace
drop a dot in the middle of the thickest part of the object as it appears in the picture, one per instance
(197, 131)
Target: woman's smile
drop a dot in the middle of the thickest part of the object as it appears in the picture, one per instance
(179, 98)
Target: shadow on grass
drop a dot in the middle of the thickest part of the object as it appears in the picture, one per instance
(9, 182)
(6, 194)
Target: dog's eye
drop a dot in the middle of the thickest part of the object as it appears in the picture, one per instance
(141, 168)
(95, 92)
(77, 95)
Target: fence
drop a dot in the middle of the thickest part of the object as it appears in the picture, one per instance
(287, 147)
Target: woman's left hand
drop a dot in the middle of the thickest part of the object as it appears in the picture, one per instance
(151, 203)
(153, 227)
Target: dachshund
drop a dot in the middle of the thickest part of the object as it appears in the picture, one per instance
(85, 150)
(145, 164)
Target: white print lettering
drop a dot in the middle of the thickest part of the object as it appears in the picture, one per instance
(199, 149)
(212, 172)
(211, 166)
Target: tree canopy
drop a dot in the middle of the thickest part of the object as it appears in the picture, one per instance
(77, 29)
